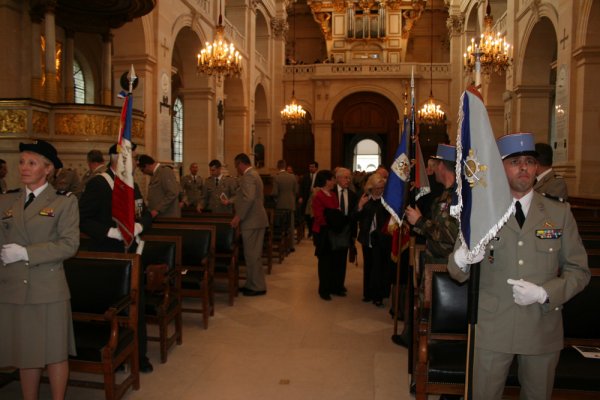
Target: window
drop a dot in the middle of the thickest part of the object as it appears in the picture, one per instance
(367, 156)
(177, 141)
(78, 83)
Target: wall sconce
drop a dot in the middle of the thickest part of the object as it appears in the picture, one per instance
(165, 103)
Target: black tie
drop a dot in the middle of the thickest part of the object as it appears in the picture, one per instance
(194, 178)
(519, 214)
(216, 181)
(342, 202)
(30, 199)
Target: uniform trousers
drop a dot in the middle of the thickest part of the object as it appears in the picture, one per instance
(253, 244)
(536, 374)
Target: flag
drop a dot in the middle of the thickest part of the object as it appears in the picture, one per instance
(484, 198)
(421, 179)
(395, 187)
(123, 203)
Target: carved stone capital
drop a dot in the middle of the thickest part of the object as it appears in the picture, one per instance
(280, 27)
(455, 24)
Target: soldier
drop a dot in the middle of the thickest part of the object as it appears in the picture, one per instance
(65, 180)
(96, 166)
(163, 190)
(441, 230)
(191, 186)
(285, 189)
(218, 190)
(534, 265)
(547, 181)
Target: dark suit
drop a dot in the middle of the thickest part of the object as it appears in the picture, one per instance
(340, 256)
(95, 211)
(535, 253)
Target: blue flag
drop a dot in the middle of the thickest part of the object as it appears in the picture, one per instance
(395, 187)
(484, 198)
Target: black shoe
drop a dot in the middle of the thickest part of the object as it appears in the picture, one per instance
(250, 292)
(145, 366)
(340, 294)
(325, 297)
(378, 303)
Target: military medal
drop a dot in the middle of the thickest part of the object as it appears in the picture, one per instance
(47, 212)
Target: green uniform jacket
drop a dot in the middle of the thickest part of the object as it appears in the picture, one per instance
(547, 252)
(49, 230)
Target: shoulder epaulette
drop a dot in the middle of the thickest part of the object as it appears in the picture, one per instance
(17, 190)
(64, 193)
(555, 198)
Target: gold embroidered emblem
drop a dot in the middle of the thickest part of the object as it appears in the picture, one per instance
(474, 170)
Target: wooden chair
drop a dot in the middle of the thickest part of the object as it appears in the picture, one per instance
(197, 263)
(163, 302)
(104, 299)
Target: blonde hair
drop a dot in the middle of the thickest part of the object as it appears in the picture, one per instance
(374, 180)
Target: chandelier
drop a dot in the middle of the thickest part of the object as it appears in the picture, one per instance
(494, 53)
(431, 113)
(219, 58)
(293, 113)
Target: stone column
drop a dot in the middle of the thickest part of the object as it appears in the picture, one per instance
(456, 29)
(51, 93)
(198, 123)
(107, 69)
(322, 133)
(36, 58)
(69, 56)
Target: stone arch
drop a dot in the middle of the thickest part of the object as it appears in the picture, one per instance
(328, 110)
(262, 35)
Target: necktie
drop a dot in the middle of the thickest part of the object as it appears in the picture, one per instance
(342, 201)
(194, 178)
(30, 199)
(519, 214)
(216, 181)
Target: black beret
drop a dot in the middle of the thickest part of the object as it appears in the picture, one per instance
(43, 148)
(113, 148)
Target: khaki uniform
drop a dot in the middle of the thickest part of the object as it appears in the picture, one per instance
(86, 178)
(163, 192)
(440, 231)
(65, 180)
(552, 184)
(212, 194)
(191, 186)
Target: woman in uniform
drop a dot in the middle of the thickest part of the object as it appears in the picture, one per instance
(39, 228)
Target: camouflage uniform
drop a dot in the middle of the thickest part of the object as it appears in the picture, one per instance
(440, 231)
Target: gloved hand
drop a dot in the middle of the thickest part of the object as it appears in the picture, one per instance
(138, 228)
(463, 262)
(13, 252)
(526, 293)
(115, 233)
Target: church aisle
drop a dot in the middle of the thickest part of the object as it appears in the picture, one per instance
(288, 345)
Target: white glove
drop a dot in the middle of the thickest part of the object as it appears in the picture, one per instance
(115, 233)
(462, 261)
(138, 228)
(13, 252)
(526, 293)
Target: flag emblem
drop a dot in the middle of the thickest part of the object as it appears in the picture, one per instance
(401, 167)
(474, 170)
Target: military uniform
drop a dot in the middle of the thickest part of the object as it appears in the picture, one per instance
(212, 194)
(35, 313)
(285, 189)
(65, 180)
(163, 192)
(440, 231)
(191, 186)
(551, 184)
(86, 178)
(548, 252)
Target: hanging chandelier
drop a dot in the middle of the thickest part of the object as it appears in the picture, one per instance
(431, 113)
(495, 54)
(219, 58)
(293, 114)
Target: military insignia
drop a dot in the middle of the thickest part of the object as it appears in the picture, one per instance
(548, 225)
(548, 233)
(474, 170)
(7, 214)
(401, 167)
(47, 212)
(63, 193)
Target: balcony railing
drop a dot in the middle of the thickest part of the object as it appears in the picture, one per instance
(365, 71)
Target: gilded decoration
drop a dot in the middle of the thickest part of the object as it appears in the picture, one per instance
(455, 24)
(13, 121)
(39, 122)
(93, 125)
(280, 27)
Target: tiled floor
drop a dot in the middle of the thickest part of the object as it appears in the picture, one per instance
(288, 345)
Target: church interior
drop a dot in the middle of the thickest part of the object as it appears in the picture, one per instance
(330, 81)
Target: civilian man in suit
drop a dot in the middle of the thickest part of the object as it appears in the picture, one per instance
(191, 186)
(548, 182)
(348, 202)
(534, 265)
(95, 162)
(285, 190)
(218, 191)
(95, 220)
(252, 218)
(163, 190)
(304, 200)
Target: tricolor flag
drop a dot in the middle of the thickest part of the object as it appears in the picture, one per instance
(421, 179)
(395, 187)
(484, 198)
(123, 203)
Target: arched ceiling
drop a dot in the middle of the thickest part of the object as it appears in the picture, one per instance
(93, 16)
